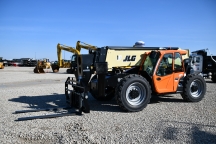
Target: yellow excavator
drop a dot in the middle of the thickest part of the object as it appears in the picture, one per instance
(61, 63)
(41, 65)
(1, 63)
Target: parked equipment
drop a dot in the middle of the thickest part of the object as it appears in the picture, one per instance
(131, 75)
(76, 51)
(41, 65)
(203, 64)
(1, 65)
(157, 72)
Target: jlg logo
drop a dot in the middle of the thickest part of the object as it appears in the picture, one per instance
(130, 58)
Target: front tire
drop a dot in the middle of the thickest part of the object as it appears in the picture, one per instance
(194, 88)
(133, 93)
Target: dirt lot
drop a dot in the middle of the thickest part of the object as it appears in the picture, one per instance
(166, 119)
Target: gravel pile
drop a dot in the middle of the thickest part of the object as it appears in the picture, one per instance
(167, 119)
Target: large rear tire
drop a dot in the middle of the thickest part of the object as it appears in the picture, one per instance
(194, 88)
(133, 93)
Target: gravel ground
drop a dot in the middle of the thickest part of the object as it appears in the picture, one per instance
(166, 119)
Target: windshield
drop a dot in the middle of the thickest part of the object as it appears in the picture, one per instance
(149, 64)
(73, 58)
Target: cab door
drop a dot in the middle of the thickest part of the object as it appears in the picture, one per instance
(178, 69)
(163, 77)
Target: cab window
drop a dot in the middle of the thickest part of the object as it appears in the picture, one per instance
(165, 66)
(178, 63)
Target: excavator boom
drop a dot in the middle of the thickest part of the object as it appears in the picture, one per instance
(61, 47)
(76, 51)
(85, 46)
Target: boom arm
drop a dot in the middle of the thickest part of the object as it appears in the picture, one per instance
(85, 46)
(61, 47)
(76, 50)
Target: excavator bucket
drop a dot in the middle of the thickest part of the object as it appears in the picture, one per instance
(38, 70)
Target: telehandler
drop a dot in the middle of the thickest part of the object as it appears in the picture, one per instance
(131, 75)
(157, 72)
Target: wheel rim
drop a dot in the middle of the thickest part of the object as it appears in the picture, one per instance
(139, 94)
(196, 88)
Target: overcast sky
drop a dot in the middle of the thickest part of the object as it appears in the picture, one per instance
(33, 28)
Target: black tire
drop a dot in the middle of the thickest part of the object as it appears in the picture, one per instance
(109, 91)
(35, 70)
(55, 68)
(194, 88)
(133, 93)
(213, 78)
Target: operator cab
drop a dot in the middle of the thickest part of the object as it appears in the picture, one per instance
(165, 68)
